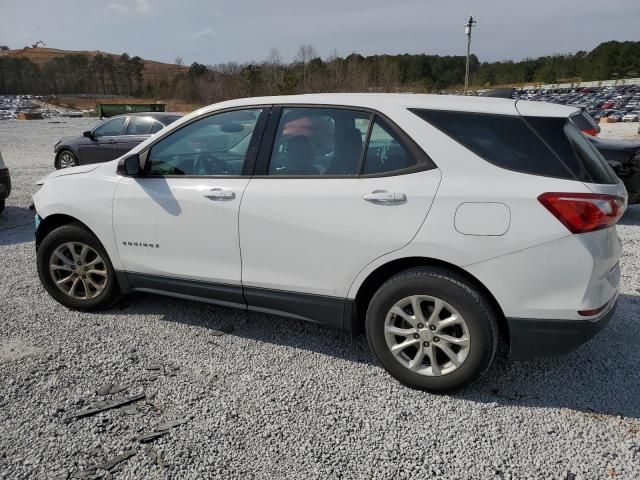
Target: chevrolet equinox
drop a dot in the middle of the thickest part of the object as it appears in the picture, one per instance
(438, 224)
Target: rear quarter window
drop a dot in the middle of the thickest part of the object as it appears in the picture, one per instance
(537, 146)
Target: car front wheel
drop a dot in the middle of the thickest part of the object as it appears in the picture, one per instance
(431, 329)
(75, 269)
(66, 159)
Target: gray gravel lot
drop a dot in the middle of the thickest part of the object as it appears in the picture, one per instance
(276, 398)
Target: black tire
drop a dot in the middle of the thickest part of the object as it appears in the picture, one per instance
(57, 162)
(479, 316)
(2, 205)
(76, 233)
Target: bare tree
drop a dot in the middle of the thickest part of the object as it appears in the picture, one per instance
(305, 54)
(179, 61)
(272, 72)
(274, 57)
(335, 69)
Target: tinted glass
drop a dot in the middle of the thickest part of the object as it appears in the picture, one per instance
(157, 126)
(384, 152)
(110, 128)
(140, 126)
(214, 145)
(584, 121)
(508, 142)
(170, 119)
(584, 160)
(319, 141)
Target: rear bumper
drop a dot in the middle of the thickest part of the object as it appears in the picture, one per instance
(531, 338)
(5, 183)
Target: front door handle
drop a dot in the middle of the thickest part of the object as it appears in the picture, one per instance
(220, 194)
(385, 198)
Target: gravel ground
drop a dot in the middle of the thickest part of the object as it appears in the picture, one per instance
(276, 398)
(619, 130)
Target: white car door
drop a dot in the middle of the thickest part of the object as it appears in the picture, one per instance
(176, 226)
(326, 206)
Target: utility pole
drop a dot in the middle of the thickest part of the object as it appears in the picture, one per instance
(467, 30)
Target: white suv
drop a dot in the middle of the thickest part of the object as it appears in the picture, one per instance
(438, 224)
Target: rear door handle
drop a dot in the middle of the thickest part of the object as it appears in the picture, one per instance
(384, 197)
(220, 194)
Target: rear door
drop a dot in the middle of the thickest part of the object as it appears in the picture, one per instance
(334, 189)
(104, 144)
(138, 129)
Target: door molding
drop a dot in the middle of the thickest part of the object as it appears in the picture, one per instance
(320, 309)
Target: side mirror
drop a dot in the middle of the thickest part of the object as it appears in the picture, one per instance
(130, 166)
(88, 134)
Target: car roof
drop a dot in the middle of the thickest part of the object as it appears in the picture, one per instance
(382, 101)
(150, 114)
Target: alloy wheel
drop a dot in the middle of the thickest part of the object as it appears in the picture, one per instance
(427, 335)
(67, 160)
(78, 270)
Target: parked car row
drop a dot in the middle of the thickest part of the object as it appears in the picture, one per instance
(620, 103)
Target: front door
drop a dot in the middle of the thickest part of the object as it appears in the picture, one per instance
(177, 226)
(342, 188)
(104, 144)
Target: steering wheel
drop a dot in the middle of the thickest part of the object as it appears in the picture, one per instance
(209, 164)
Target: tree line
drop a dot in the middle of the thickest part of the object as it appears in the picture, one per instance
(124, 75)
(73, 73)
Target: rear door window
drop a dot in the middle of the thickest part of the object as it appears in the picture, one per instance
(544, 146)
(319, 141)
(140, 126)
(157, 126)
(385, 153)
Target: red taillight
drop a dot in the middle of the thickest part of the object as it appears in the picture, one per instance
(591, 131)
(584, 212)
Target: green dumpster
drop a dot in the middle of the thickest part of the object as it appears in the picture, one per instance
(111, 109)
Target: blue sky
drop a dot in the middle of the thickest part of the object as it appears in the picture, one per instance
(215, 31)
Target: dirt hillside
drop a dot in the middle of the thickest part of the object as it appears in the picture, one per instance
(153, 70)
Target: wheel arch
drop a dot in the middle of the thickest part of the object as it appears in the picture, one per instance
(51, 222)
(65, 148)
(366, 290)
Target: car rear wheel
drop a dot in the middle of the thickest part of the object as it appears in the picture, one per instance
(75, 269)
(431, 329)
(66, 159)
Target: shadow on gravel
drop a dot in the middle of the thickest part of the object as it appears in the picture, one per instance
(256, 326)
(16, 225)
(600, 378)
